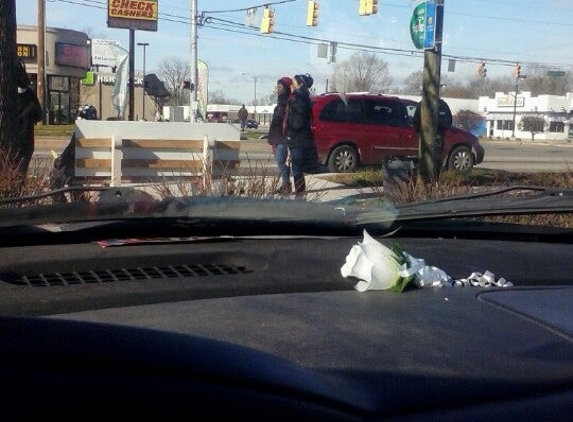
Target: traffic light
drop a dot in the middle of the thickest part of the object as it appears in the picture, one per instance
(372, 7)
(368, 7)
(481, 70)
(268, 22)
(188, 85)
(517, 70)
(312, 13)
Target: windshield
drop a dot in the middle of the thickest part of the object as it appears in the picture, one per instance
(324, 132)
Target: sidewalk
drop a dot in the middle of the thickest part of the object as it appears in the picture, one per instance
(321, 189)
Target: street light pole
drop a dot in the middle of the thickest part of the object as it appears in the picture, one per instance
(193, 64)
(144, 45)
(255, 111)
(515, 106)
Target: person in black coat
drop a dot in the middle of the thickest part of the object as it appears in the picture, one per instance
(29, 112)
(277, 139)
(445, 121)
(298, 129)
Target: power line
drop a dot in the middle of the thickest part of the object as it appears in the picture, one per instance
(235, 27)
(244, 9)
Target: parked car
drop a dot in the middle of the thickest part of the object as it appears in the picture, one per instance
(364, 129)
(251, 124)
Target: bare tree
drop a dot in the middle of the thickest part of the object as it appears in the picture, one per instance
(8, 60)
(362, 72)
(174, 72)
(413, 83)
(534, 124)
(219, 97)
(539, 83)
(467, 119)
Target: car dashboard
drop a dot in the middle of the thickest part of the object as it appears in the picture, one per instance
(267, 328)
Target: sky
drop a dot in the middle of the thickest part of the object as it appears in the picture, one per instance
(242, 61)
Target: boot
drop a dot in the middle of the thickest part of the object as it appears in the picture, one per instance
(285, 189)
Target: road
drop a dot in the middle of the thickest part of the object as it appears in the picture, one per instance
(527, 156)
(499, 155)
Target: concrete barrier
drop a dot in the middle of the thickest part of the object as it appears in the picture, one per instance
(115, 152)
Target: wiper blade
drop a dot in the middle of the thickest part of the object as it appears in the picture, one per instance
(542, 201)
(52, 193)
(186, 210)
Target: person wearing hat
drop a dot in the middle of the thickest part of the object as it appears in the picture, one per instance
(277, 139)
(297, 128)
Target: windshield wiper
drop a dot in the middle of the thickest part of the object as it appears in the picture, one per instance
(123, 204)
(524, 200)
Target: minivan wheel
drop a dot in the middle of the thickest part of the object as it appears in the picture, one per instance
(343, 159)
(461, 159)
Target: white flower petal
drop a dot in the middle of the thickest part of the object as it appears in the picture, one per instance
(373, 264)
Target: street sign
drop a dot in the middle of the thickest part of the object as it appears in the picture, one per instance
(555, 73)
(430, 25)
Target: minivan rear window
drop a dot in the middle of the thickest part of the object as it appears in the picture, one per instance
(384, 112)
(339, 111)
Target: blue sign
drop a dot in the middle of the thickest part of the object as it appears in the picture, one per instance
(430, 25)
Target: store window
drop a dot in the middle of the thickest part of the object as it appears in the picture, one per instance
(557, 127)
(504, 125)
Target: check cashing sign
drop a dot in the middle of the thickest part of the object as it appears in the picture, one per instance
(132, 14)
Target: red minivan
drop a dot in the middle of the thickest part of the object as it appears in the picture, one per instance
(365, 129)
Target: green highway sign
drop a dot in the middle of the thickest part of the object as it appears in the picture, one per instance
(555, 73)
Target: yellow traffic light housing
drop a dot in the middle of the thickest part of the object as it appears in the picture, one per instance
(517, 70)
(481, 70)
(312, 13)
(268, 21)
(368, 7)
(372, 6)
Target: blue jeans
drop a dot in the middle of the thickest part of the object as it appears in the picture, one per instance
(297, 158)
(281, 154)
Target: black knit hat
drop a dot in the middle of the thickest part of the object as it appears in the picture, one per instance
(305, 80)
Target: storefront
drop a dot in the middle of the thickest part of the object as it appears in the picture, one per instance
(547, 116)
(67, 60)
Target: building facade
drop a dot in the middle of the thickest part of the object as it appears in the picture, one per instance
(67, 59)
(506, 118)
(97, 90)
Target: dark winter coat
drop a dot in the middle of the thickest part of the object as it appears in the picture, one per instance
(445, 119)
(29, 113)
(276, 135)
(299, 119)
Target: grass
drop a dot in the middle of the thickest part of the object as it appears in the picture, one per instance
(476, 177)
(48, 131)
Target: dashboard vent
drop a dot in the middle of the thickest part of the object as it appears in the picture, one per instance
(123, 274)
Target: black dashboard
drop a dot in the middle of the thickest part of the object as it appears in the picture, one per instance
(266, 327)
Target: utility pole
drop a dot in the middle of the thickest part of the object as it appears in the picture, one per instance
(255, 112)
(193, 64)
(41, 71)
(144, 45)
(429, 156)
(131, 84)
